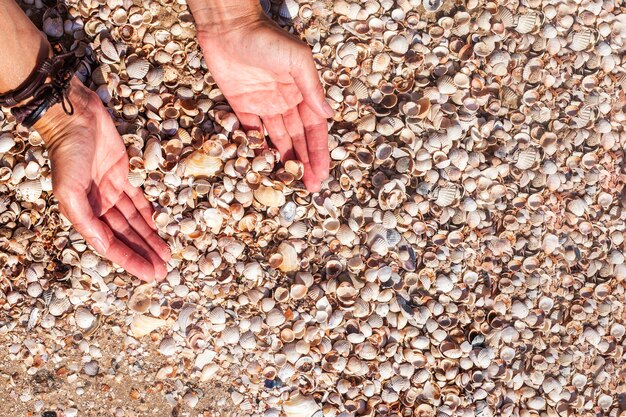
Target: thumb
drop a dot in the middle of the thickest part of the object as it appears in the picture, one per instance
(306, 78)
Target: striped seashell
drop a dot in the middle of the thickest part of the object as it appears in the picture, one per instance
(446, 196)
(526, 159)
(359, 89)
(217, 316)
(109, 51)
(526, 23)
(298, 230)
(581, 40)
(506, 16)
(155, 76)
(167, 347)
(381, 62)
(100, 75)
(201, 165)
(230, 335)
(446, 85)
(135, 178)
(138, 68)
(380, 246)
(58, 306)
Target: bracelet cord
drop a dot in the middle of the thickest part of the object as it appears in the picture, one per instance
(60, 68)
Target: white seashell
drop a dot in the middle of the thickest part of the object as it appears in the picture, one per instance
(275, 318)
(269, 197)
(201, 165)
(58, 306)
(290, 261)
(29, 190)
(298, 230)
(581, 40)
(167, 347)
(84, 318)
(301, 406)
(446, 85)
(109, 50)
(7, 141)
(143, 325)
(526, 159)
(230, 335)
(399, 44)
(152, 155)
(526, 23)
(446, 196)
(91, 368)
(138, 68)
(185, 317)
(217, 316)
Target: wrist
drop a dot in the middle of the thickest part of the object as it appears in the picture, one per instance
(54, 125)
(215, 18)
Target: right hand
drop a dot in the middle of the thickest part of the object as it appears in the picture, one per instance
(90, 181)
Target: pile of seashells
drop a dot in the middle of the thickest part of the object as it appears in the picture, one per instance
(466, 257)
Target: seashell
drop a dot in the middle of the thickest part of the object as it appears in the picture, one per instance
(298, 230)
(399, 44)
(109, 51)
(152, 155)
(526, 23)
(526, 159)
(432, 6)
(269, 197)
(289, 257)
(167, 347)
(302, 406)
(155, 76)
(143, 325)
(201, 165)
(446, 196)
(29, 190)
(58, 306)
(217, 316)
(275, 318)
(231, 335)
(84, 318)
(289, 9)
(53, 23)
(138, 68)
(581, 40)
(359, 89)
(446, 85)
(381, 62)
(7, 142)
(139, 302)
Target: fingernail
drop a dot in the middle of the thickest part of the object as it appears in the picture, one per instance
(98, 245)
(329, 110)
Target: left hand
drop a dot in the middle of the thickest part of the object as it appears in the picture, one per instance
(269, 78)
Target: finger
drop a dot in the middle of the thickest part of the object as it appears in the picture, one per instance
(306, 78)
(279, 136)
(78, 210)
(125, 233)
(137, 222)
(141, 203)
(249, 121)
(316, 131)
(295, 128)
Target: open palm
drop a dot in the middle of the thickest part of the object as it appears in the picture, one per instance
(90, 180)
(269, 78)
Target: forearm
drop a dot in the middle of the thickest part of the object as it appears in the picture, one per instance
(22, 46)
(217, 16)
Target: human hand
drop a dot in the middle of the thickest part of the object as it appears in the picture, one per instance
(269, 77)
(90, 181)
